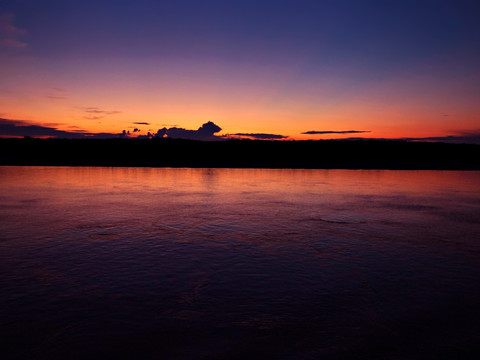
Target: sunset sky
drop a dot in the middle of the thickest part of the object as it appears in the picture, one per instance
(376, 69)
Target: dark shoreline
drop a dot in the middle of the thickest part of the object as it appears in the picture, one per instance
(321, 154)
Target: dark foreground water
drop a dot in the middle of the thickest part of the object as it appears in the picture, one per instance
(141, 263)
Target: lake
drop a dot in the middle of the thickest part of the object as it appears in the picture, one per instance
(164, 263)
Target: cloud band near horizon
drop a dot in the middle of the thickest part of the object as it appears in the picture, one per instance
(21, 128)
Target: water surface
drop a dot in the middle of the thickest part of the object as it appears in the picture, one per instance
(239, 263)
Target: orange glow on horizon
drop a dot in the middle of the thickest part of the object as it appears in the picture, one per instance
(102, 99)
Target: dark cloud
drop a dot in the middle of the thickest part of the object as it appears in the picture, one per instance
(10, 35)
(141, 123)
(261, 136)
(13, 128)
(18, 128)
(162, 132)
(314, 132)
(148, 135)
(205, 132)
(21, 128)
(208, 129)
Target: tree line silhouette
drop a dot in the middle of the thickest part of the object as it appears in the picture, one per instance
(168, 152)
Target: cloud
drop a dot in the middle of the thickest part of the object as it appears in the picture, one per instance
(261, 136)
(208, 129)
(95, 110)
(10, 34)
(15, 128)
(314, 132)
(205, 132)
(54, 93)
(141, 123)
(23, 128)
(94, 113)
(55, 97)
(20, 128)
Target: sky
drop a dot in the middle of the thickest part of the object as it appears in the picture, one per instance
(260, 69)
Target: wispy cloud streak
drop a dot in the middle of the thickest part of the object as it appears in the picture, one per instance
(314, 132)
(95, 113)
(10, 35)
(261, 136)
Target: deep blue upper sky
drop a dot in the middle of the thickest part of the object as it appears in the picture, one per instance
(383, 34)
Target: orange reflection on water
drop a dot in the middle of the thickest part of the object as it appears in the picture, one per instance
(230, 181)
